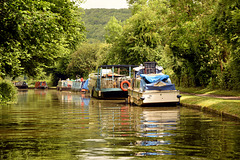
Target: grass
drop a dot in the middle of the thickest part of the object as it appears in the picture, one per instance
(222, 105)
(209, 91)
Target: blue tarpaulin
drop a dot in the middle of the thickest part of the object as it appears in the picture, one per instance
(150, 82)
(154, 78)
(151, 86)
(167, 86)
(85, 85)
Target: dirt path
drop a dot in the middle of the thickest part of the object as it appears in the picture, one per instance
(214, 96)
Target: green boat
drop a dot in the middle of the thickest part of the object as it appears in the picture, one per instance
(111, 81)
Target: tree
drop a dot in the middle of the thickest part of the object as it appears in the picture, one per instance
(141, 39)
(33, 33)
(113, 30)
(87, 58)
(96, 19)
(224, 28)
(136, 5)
(190, 42)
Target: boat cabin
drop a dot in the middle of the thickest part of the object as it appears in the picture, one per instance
(151, 86)
(21, 85)
(111, 81)
(41, 85)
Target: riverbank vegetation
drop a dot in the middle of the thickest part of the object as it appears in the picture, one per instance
(197, 42)
(7, 92)
(36, 34)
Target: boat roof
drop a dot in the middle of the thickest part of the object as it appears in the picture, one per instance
(138, 68)
(118, 66)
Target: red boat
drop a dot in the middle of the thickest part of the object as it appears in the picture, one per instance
(41, 85)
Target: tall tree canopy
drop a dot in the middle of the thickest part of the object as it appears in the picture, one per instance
(34, 33)
(87, 58)
(113, 30)
(141, 38)
(225, 32)
(198, 40)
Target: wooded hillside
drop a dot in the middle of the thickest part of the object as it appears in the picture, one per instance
(96, 19)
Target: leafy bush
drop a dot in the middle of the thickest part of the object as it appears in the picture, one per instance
(8, 92)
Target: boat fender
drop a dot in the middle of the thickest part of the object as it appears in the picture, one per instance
(142, 98)
(122, 85)
(179, 96)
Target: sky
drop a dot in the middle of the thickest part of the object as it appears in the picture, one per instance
(116, 4)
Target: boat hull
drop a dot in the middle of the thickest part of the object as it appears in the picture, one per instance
(63, 88)
(110, 93)
(43, 87)
(153, 97)
(22, 87)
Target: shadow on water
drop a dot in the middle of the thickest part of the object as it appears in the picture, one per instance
(46, 124)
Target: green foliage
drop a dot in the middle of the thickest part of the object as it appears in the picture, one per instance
(190, 42)
(136, 5)
(225, 28)
(96, 19)
(33, 31)
(197, 41)
(142, 36)
(59, 70)
(8, 92)
(87, 58)
(203, 36)
(113, 30)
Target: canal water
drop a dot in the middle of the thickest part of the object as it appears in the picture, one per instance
(47, 124)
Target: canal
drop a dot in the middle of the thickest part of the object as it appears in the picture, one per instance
(47, 124)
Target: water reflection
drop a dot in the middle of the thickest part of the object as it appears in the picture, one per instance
(68, 125)
(74, 97)
(144, 128)
(157, 124)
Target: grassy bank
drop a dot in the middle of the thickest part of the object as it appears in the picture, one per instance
(217, 92)
(211, 103)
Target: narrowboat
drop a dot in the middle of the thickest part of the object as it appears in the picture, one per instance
(80, 86)
(21, 85)
(64, 85)
(151, 86)
(41, 85)
(111, 81)
(76, 86)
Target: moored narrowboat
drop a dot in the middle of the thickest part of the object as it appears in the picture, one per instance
(77, 86)
(111, 81)
(41, 85)
(21, 85)
(64, 85)
(80, 86)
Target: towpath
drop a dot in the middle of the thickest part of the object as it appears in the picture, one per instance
(214, 96)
